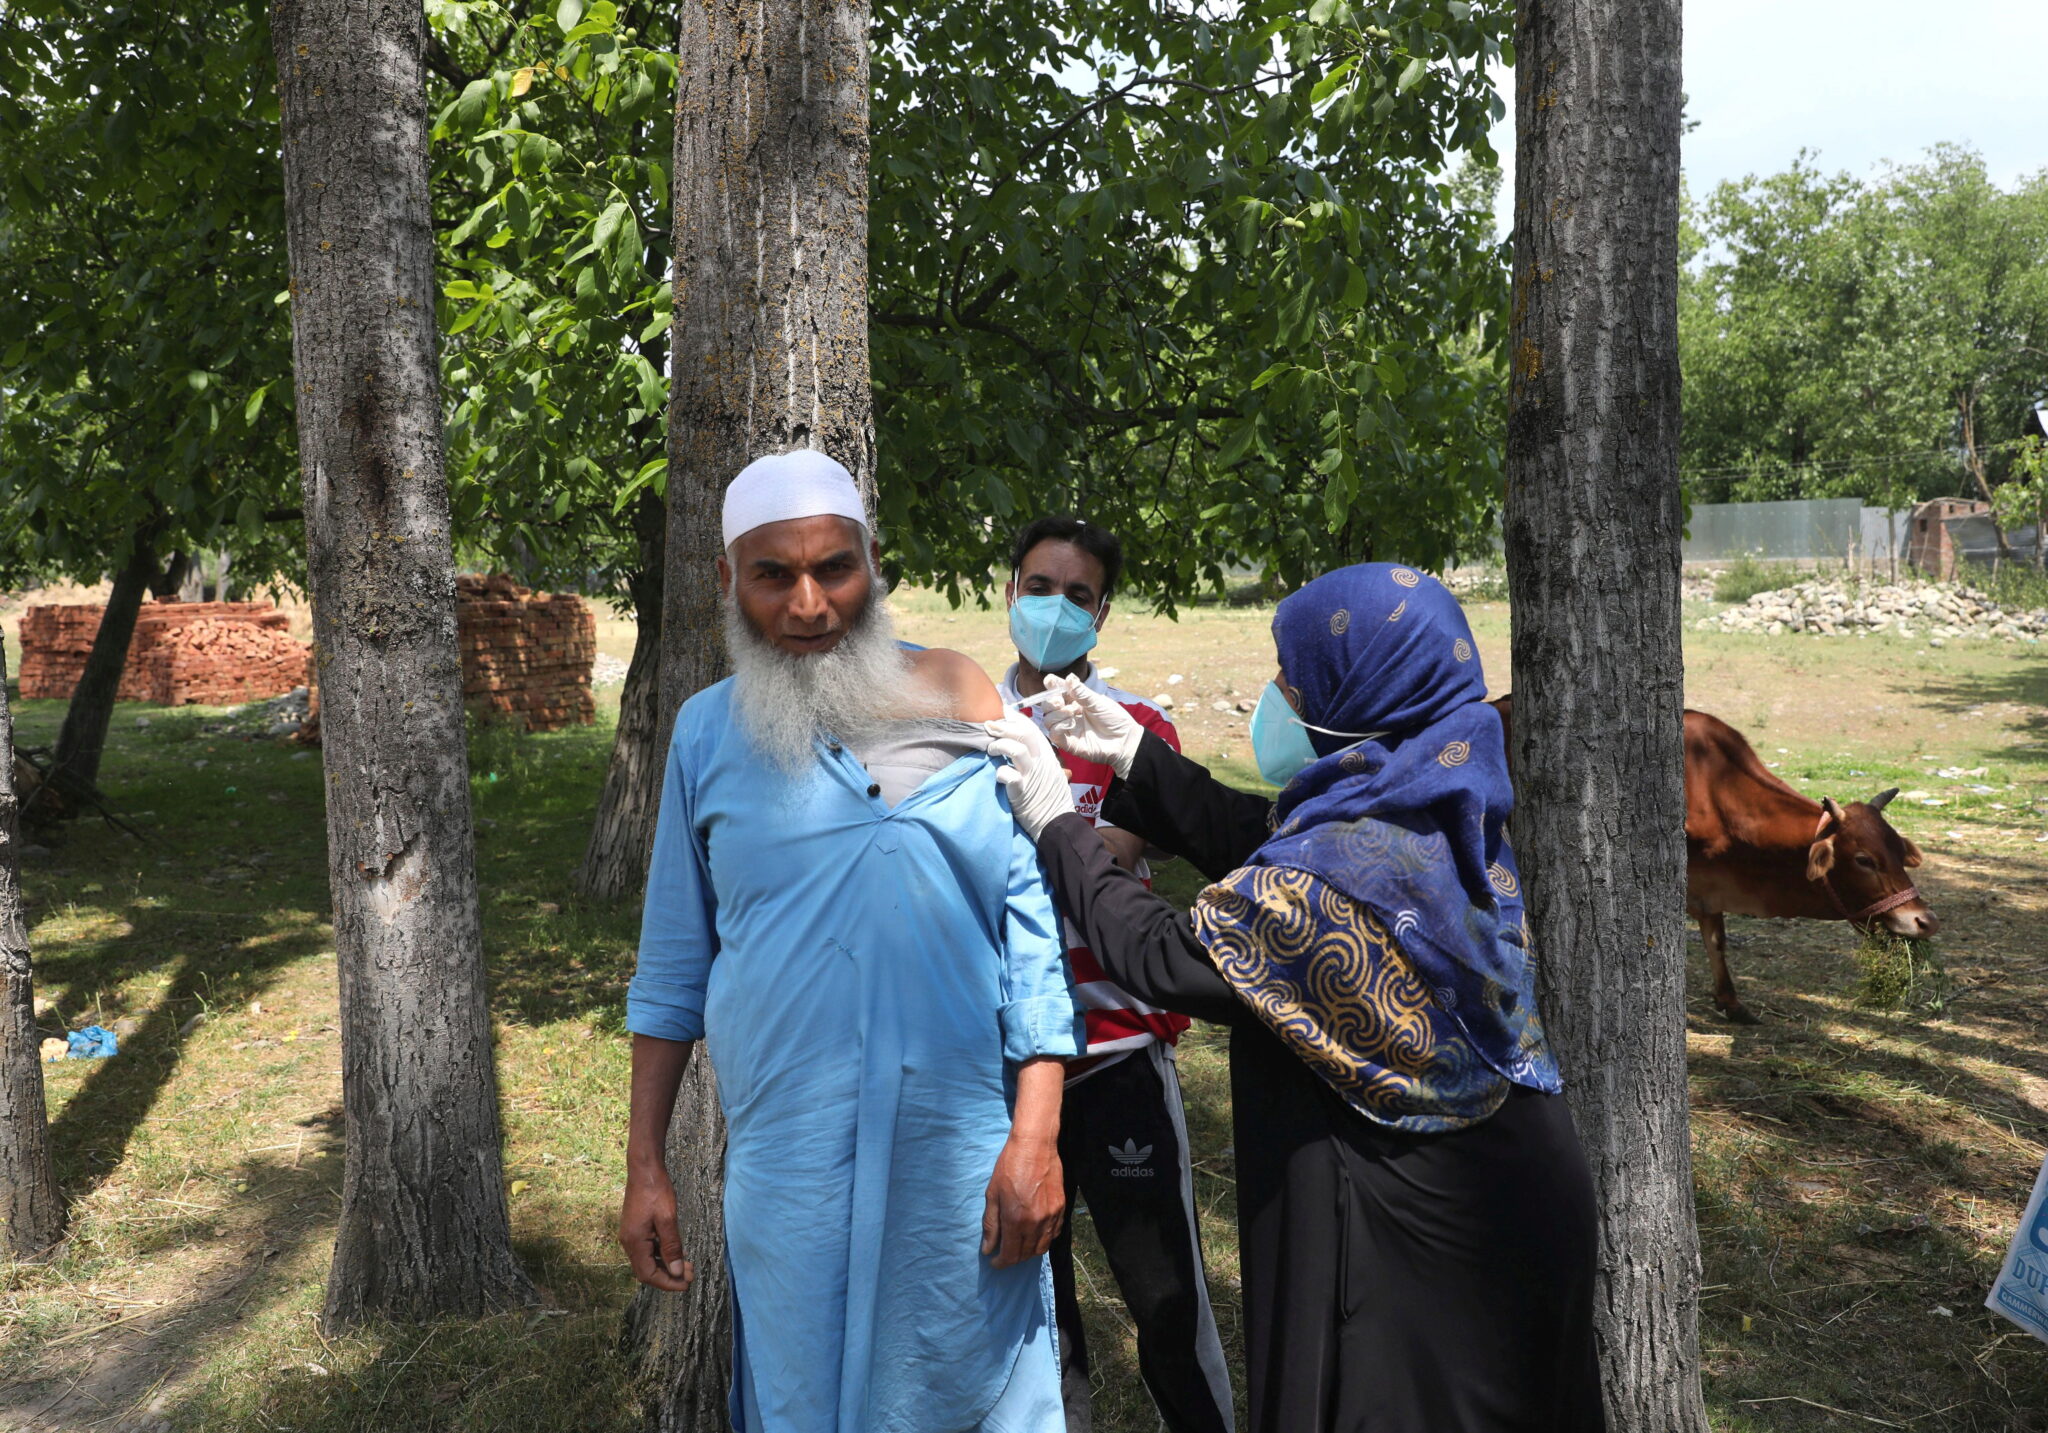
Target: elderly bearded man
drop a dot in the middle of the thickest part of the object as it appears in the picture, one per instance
(839, 907)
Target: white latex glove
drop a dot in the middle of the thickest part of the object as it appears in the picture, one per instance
(1036, 781)
(1087, 724)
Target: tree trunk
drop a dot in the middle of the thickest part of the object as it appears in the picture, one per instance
(423, 1224)
(170, 583)
(31, 1213)
(1593, 527)
(770, 341)
(83, 738)
(1973, 459)
(615, 862)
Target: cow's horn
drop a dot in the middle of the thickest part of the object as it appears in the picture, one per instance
(1827, 804)
(1882, 799)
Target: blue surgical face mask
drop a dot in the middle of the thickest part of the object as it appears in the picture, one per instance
(1052, 633)
(1280, 743)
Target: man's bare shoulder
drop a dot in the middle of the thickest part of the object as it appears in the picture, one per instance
(960, 678)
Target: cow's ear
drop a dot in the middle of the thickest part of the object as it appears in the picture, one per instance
(1913, 857)
(1820, 859)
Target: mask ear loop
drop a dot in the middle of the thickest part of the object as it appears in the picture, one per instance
(1356, 736)
(1017, 587)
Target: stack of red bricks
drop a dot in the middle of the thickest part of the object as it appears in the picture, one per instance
(526, 656)
(217, 653)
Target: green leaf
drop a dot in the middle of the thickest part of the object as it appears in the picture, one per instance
(1270, 374)
(254, 405)
(608, 224)
(1411, 74)
(568, 13)
(1237, 444)
(1329, 84)
(471, 105)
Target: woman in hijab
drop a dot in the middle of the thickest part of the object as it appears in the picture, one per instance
(1415, 1216)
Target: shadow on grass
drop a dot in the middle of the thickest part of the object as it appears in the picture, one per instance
(75, 1379)
(1846, 1256)
(90, 1136)
(2023, 680)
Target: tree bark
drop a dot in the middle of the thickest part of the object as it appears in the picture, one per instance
(1973, 459)
(31, 1213)
(423, 1224)
(615, 861)
(771, 352)
(1592, 526)
(83, 738)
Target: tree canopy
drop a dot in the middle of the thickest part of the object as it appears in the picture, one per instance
(1186, 267)
(1881, 339)
(147, 394)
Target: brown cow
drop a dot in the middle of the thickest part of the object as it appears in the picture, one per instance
(1756, 847)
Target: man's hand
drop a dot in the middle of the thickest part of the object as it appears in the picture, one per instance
(1027, 1200)
(647, 1219)
(648, 1234)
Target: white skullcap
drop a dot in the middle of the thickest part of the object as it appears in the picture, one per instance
(800, 483)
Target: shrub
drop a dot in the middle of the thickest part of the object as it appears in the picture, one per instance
(2016, 586)
(1746, 576)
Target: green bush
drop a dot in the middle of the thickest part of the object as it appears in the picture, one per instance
(2014, 585)
(1746, 577)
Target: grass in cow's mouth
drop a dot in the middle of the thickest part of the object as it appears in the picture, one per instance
(1901, 974)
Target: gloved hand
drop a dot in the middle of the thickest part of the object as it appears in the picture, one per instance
(1036, 781)
(1086, 724)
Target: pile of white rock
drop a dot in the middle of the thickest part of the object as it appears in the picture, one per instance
(1932, 611)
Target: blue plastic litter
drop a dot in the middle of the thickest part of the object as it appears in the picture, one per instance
(94, 1042)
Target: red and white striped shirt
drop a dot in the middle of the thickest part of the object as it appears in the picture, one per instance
(1117, 1021)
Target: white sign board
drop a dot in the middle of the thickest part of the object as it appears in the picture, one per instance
(2021, 1293)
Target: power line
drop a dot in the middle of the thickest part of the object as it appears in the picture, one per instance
(1841, 464)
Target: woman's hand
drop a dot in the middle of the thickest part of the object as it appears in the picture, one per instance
(1036, 781)
(1084, 723)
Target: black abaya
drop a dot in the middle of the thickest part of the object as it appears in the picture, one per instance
(1393, 1282)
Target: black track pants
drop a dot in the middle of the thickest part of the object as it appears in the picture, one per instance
(1124, 1143)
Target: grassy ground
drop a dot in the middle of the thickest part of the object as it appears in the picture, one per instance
(1859, 1170)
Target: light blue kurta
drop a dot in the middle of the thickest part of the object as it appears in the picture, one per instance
(865, 980)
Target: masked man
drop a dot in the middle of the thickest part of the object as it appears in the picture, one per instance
(838, 908)
(1123, 1138)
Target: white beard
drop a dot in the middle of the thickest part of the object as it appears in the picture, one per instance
(785, 702)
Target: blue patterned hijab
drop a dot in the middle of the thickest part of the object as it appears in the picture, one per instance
(1412, 825)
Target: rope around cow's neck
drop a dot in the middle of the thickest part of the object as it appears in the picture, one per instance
(1876, 907)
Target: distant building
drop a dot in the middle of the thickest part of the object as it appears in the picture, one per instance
(1929, 544)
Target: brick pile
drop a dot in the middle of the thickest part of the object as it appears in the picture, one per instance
(217, 663)
(526, 656)
(217, 653)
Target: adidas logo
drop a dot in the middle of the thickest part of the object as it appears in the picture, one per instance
(1131, 1161)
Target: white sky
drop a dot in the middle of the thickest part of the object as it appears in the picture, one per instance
(1858, 81)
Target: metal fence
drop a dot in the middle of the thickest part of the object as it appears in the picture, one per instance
(1840, 528)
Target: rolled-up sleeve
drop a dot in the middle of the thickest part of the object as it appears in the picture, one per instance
(678, 925)
(1039, 1016)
